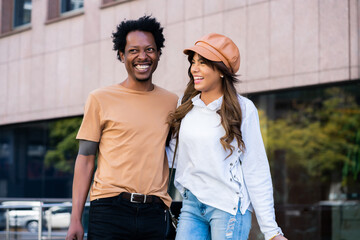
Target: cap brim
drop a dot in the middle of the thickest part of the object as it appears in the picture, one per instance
(203, 52)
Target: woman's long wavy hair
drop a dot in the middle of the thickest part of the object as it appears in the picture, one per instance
(230, 111)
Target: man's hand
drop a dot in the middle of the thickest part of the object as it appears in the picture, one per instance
(76, 231)
(279, 237)
(84, 168)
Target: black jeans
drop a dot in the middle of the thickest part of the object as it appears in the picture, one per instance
(115, 218)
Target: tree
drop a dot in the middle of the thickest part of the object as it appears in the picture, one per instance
(64, 146)
(321, 139)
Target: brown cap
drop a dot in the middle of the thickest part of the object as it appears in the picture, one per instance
(217, 48)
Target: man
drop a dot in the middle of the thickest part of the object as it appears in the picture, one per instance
(127, 123)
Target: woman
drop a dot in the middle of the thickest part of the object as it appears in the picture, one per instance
(222, 170)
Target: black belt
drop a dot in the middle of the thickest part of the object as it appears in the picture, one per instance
(140, 198)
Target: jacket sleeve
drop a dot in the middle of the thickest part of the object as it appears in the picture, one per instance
(257, 174)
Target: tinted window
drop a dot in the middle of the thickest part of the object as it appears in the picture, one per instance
(312, 138)
(37, 159)
(70, 5)
(22, 12)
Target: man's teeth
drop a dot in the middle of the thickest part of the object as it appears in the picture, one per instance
(142, 67)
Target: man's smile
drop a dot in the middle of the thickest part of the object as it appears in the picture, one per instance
(142, 67)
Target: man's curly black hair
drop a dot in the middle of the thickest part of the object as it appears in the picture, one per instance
(145, 24)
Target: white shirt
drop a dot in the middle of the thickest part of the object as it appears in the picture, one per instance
(202, 165)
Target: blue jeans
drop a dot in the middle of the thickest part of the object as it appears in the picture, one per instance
(202, 222)
(116, 219)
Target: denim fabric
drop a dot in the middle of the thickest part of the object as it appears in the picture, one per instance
(202, 222)
(115, 218)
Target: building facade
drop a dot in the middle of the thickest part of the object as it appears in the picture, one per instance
(299, 64)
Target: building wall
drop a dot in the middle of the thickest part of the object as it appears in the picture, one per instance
(47, 71)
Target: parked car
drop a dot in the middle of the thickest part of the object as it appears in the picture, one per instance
(58, 217)
(23, 214)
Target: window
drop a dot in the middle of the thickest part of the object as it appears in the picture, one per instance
(15, 14)
(22, 12)
(58, 8)
(109, 3)
(71, 5)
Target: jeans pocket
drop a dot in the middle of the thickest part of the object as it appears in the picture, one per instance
(100, 206)
(160, 207)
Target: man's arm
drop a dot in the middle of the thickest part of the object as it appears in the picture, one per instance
(84, 168)
(279, 237)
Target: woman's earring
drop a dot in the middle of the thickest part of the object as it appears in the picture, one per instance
(222, 76)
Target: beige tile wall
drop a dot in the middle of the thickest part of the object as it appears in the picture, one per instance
(354, 38)
(281, 38)
(50, 78)
(238, 34)
(257, 42)
(3, 90)
(48, 71)
(24, 88)
(306, 41)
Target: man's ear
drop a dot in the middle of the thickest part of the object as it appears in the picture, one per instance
(121, 56)
(158, 55)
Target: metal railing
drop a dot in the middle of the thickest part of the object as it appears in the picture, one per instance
(37, 207)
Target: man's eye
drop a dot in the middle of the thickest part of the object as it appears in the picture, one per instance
(132, 50)
(151, 49)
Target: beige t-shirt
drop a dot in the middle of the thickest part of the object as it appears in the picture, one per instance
(131, 128)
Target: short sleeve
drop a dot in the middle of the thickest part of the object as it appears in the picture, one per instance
(91, 128)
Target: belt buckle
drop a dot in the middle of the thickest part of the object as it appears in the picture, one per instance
(137, 194)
